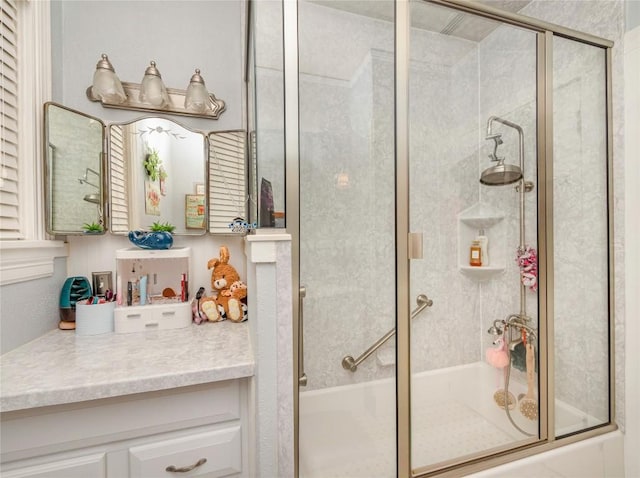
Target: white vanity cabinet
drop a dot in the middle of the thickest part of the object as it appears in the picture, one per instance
(165, 270)
(203, 427)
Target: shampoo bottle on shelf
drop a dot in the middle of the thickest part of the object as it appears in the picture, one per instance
(484, 246)
(475, 254)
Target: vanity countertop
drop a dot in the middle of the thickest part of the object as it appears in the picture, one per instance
(62, 367)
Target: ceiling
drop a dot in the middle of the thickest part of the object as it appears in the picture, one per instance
(431, 17)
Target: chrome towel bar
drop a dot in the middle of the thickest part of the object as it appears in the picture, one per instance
(351, 364)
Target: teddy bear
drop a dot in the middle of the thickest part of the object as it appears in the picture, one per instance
(231, 291)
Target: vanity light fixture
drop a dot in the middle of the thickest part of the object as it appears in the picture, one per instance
(152, 95)
(197, 97)
(106, 84)
(152, 89)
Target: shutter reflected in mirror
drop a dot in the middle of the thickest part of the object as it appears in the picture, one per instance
(227, 181)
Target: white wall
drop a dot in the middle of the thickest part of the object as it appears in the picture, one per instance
(179, 36)
(132, 34)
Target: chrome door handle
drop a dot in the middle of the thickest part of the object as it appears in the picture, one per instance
(302, 377)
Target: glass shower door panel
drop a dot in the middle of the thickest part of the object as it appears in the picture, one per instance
(581, 263)
(472, 88)
(347, 238)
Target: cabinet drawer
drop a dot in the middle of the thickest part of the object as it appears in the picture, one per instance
(98, 422)
(149, 317)
(221, 448)
(93, 466)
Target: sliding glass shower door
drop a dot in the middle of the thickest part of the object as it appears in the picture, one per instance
(439, 182)
(473, 174)
(347, 238)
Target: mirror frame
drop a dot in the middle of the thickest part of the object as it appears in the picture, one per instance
(48, 175)
(105, 171)
(205, 171)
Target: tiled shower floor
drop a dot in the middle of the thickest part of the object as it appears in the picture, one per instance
(348, 445)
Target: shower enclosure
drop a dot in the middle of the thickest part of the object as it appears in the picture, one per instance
(416, 132)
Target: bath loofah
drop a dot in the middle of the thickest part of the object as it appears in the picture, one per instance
(497, 356)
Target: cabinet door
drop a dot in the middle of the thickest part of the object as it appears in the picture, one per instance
(93, 466)
(220, 448)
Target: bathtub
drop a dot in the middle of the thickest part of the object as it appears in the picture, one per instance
(349, 431)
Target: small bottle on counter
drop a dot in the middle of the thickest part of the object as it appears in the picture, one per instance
(475, 254)
(143, 290)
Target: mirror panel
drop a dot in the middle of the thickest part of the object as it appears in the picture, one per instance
(227, 183)
(158, 174)
(74, 184)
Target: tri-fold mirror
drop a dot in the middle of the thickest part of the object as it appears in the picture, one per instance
(154, 170)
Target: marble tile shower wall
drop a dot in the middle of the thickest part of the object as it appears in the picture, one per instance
(578, 382)
(346, 98)
(349, 125)
(444, 181)
(507, 88)
(580, 228)
(270, 93)
(347, 232)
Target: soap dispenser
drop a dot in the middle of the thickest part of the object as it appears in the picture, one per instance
(484, 247)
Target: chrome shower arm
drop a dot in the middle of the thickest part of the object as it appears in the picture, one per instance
(521, 190)
(515, 126)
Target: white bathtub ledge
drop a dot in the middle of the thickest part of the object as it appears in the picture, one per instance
(598, 457)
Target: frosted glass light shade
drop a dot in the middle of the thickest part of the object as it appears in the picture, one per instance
(152, 89)
(197, 97)
(106, 84)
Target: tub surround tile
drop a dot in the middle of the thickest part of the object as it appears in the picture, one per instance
(61, 367)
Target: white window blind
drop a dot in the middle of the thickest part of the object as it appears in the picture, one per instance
(118, 169)
(227, 184)
(9, 194)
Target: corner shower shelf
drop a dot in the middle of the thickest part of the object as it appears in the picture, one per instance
(481, 273)
(470, 221)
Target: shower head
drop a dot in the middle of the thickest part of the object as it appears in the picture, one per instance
(501, 174)
(93, 198)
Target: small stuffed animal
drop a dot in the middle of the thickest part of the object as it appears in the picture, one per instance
(230, 301)
(225, 280)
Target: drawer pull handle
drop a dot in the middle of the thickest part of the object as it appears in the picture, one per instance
(151, 324)
(185, 469)
(133, 316)
(171, 312)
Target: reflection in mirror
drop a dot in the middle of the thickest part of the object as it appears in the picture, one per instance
(73, 171)
(157, 170)
(227, 183)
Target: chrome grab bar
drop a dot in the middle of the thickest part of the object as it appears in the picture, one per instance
(302, 377)
(351, 364)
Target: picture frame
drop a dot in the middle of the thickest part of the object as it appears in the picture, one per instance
(102, 282)
(194, 211)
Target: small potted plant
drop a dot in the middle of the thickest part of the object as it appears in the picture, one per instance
(152, 164)
(92, 228)
(162, 227)
(159, 237)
